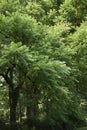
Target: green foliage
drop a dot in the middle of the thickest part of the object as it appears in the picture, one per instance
(19, 32)
(8, 7)
(12, 56)
(35, 10)
(73, 11)
(43, 58)
(79, 39)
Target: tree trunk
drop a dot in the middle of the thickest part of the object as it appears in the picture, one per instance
(20, 112)
(13, 99)
(12, 114)
(13, 91)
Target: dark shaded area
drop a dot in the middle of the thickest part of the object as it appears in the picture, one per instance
(36, 124)
(2, 125)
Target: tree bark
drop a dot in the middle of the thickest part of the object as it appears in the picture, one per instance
(14, 89)
(20, 112)
(13, 99)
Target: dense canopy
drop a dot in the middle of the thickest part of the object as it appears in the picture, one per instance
(43, 64)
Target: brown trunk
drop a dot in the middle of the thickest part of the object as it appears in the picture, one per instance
(12, 114)
(13, 99)
(13, 91)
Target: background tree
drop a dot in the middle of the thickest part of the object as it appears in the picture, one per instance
(43, 62)
(73, 11)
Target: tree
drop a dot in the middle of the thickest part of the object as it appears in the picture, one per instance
(80, 45)
(11, 64)
(39, 60)
(73, 11)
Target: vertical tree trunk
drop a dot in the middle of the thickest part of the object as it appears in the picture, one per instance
(12, 114)
(13, 91)
(13, 99)
(20, 112)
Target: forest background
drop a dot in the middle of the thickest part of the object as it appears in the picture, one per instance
(43, 64)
